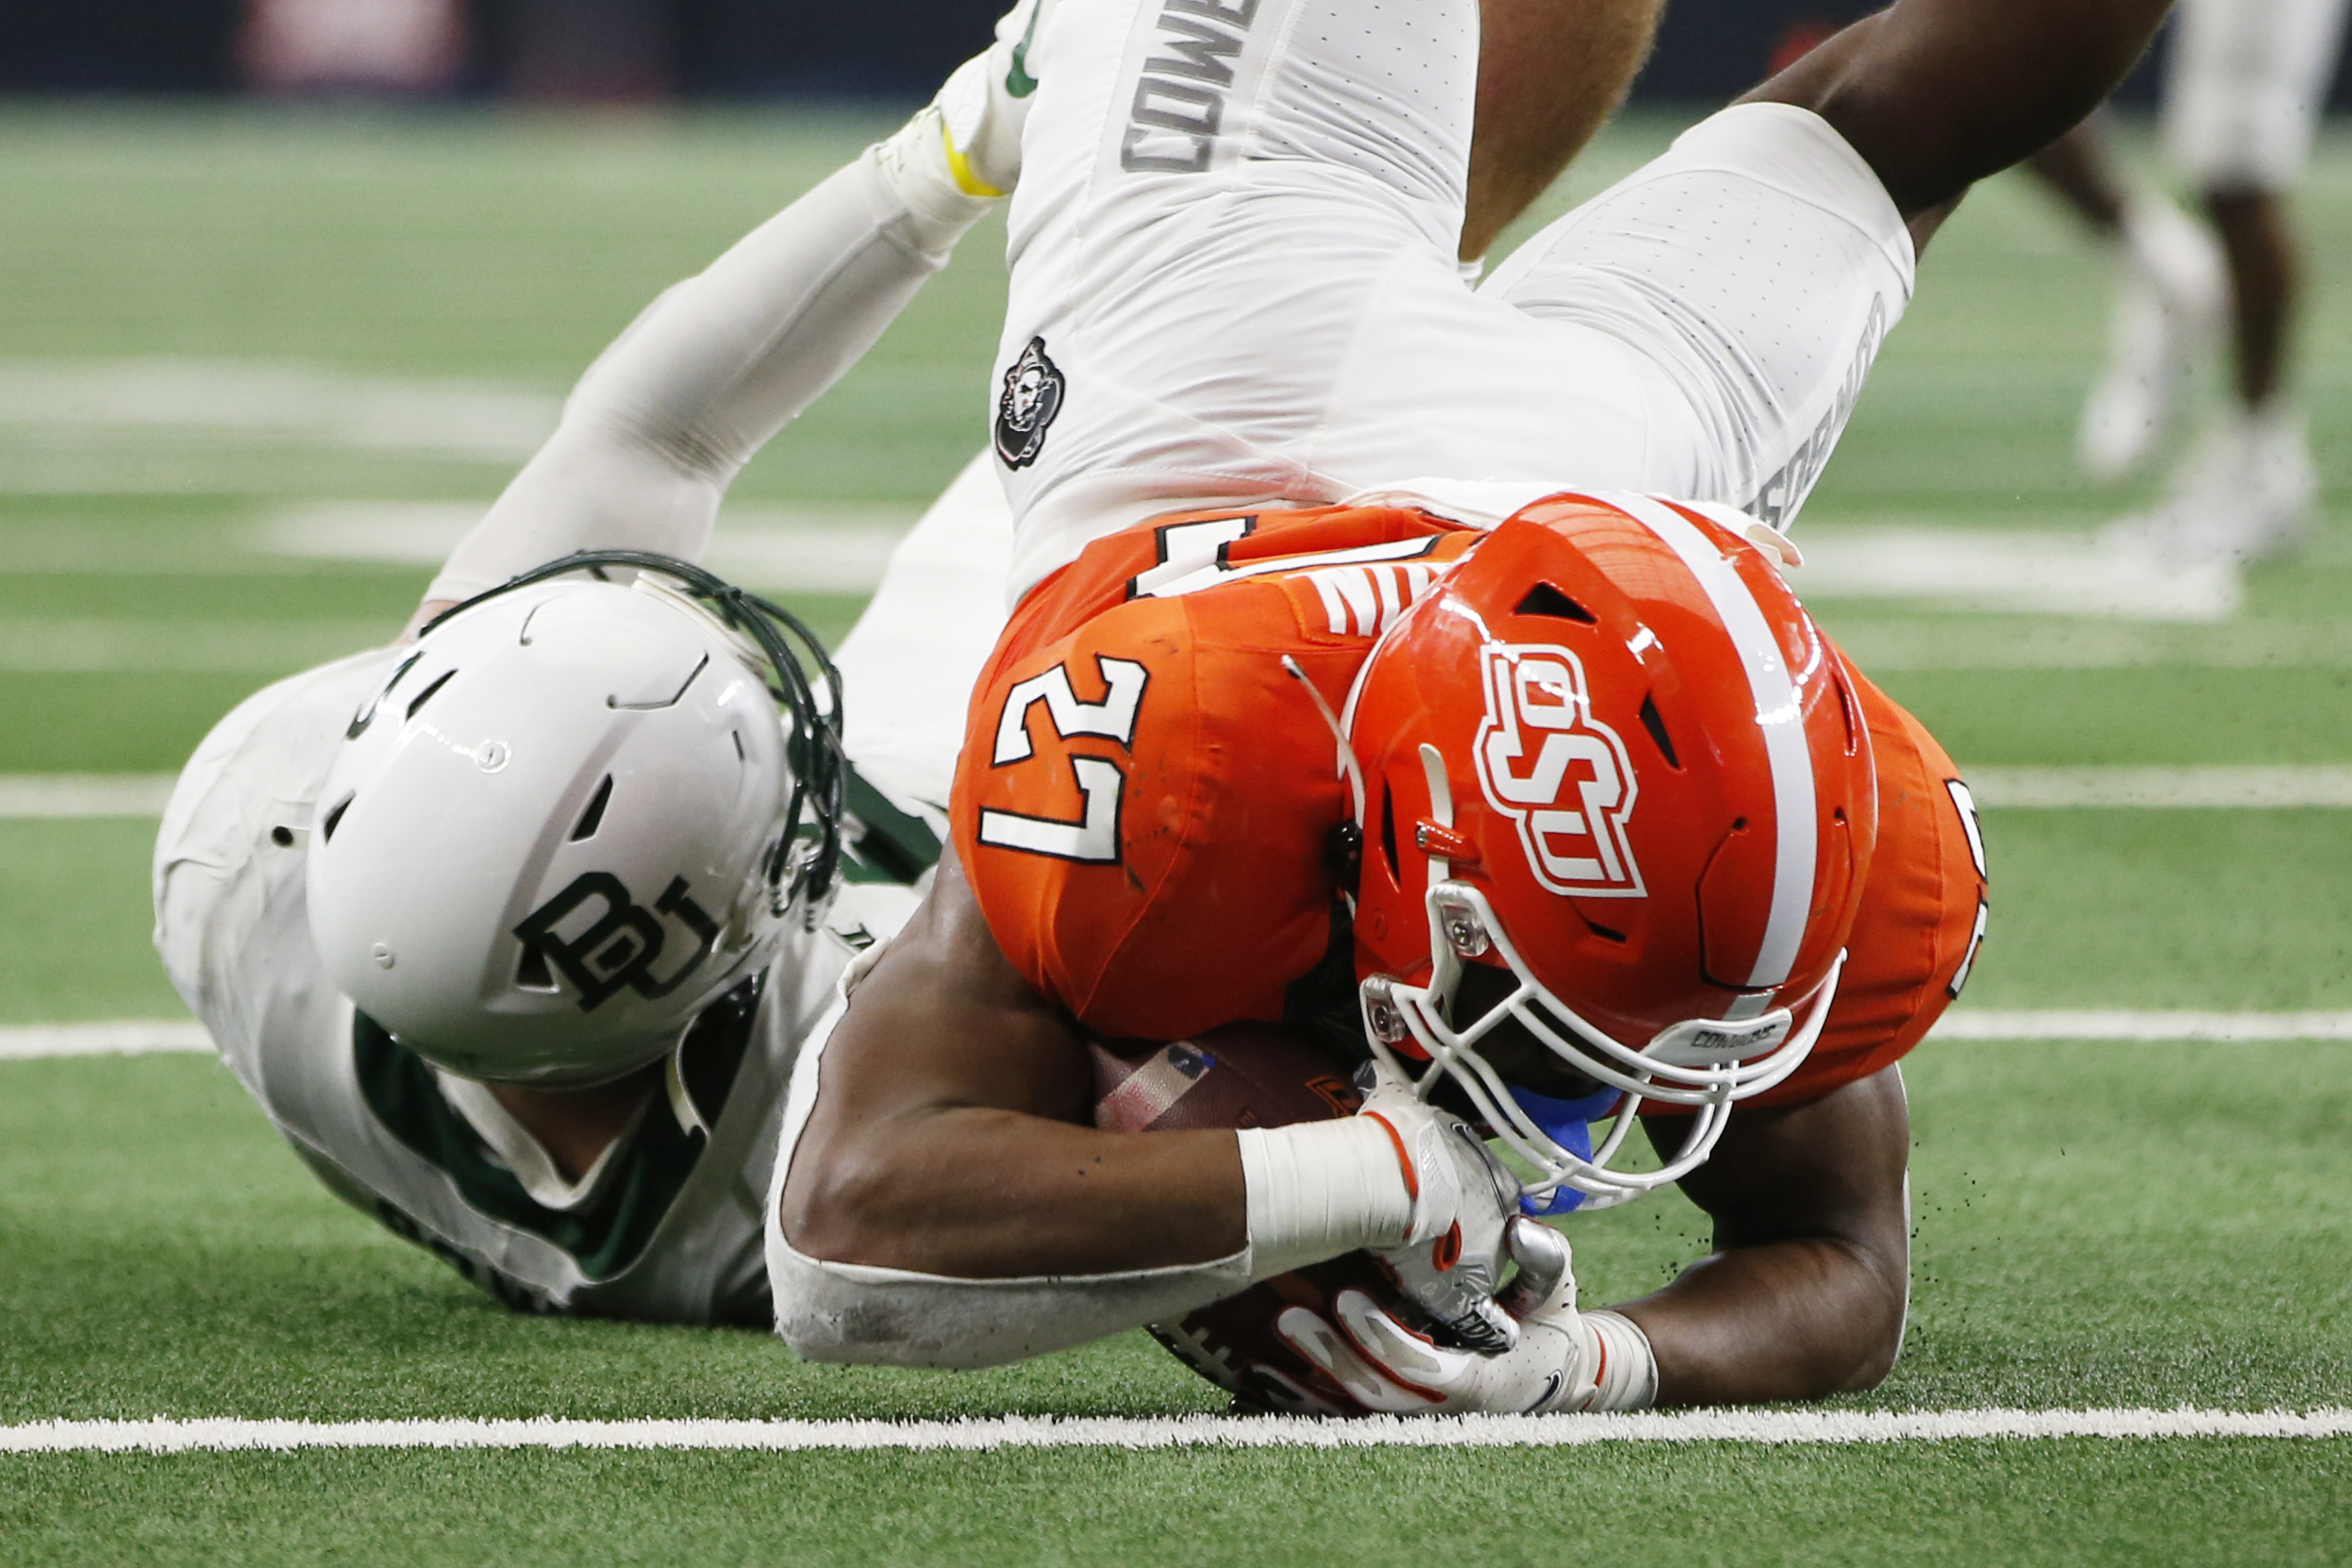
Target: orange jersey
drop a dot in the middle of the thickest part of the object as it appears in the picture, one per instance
(1148, 789)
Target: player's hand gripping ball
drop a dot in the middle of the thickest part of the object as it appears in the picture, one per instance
(1247, 1076)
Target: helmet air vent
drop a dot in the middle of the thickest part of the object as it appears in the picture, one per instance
(1543, 599)
(333, 819)
(589, 819)
(1388, 832)
(426, 695)
(531, 972)
(1656, 726)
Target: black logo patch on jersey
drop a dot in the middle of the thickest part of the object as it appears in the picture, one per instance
(618, 947)
(1030, 399)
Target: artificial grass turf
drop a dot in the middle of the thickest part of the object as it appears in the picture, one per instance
(2049, 1502)
(2096, 1225)
(2198, 909)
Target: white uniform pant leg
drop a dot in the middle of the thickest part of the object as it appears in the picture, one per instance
(909, 665)
(1752, 272)
(2244, 86)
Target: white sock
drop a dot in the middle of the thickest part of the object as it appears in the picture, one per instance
(1627, 1370)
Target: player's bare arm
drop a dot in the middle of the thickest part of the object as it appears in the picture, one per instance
(953, 1133)
(1936, 95)
(1804, 1293)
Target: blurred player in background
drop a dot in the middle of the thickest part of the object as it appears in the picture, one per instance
(2246, 84)
(1234, 300)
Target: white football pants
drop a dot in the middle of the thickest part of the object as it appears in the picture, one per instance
(1234, 282)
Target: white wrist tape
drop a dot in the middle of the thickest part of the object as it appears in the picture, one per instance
(1625, 1372)
(1319, 1189)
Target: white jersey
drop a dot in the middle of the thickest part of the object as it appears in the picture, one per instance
(669, 1226)
(1234, 282)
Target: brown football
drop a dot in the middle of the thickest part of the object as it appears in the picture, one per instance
(1245, 1076)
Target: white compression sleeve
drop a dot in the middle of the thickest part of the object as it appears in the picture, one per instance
(1318, 1189)
(714, 368)
(853, 1312)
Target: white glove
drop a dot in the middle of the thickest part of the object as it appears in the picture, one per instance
(965, 144)
(1454, 1252)
(1560, 1361)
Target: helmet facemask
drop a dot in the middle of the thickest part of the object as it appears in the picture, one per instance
(1706, 1064)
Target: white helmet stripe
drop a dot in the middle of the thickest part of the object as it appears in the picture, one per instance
(1779, 714)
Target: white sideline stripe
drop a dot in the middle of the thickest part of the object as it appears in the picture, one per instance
(2118, 1023)
(2251, 788)
(141, 1037)
(1199, 1431)
(815, 546)
(2035, 571)
(2324, 785)
(126, 1038)
(36, 796)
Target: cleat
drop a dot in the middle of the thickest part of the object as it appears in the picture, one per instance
(2247, 494)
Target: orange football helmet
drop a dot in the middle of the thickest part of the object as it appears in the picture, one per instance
(1610, 755)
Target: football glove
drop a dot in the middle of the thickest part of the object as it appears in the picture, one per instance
(1453, 1256)
(965, 144)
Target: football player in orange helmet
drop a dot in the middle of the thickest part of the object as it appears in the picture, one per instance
(1559, 798)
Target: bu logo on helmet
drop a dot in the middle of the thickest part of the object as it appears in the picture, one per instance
(619, 947)
(1558, 774)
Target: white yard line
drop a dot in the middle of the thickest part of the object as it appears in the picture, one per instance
(2120, 1024)
(34, 795)
(2324, 785)
(1490, 1432)
(258, 400)
(2162, 789)
(2036, 571)
(122, 1038)
(817, 547)
(142, 1037)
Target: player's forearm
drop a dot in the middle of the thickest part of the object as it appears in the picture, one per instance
(1938, 94)
(659, 425)
(980, 1194)
(1786, 1320)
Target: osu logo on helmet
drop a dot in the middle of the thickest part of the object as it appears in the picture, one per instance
(1559, 774)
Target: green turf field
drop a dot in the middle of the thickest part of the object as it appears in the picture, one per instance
(2112, 1224)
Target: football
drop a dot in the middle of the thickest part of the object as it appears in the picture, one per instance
(1245, 1076)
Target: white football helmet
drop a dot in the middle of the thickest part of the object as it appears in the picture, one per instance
(571, 820)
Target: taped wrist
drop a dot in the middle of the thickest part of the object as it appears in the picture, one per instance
(1318, 1190)
(942, 195)
(1625, 1370)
